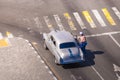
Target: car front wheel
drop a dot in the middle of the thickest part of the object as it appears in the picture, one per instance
(45, 46)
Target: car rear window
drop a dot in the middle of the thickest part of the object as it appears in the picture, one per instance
(67, 45)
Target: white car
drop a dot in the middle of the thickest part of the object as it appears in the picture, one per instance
(63, 46)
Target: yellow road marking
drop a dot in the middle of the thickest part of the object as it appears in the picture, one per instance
(47, 20)
(70, 22)
(89, 19)
(108, 16)
(9, 35)
(3, 43)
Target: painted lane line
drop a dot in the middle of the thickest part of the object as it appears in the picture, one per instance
(89, 19)
(38, 23)
(73, 77)
(70, 22)
(79, 20)
(114, 40)
(116, 11)
(1, 37)
(9, 35)
(103, 34)
(108, 16)
(47, 20)
(58, 21)
(99, 18)
(117, 69)
(98, 73)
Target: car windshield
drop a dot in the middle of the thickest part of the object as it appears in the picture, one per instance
(67, 45)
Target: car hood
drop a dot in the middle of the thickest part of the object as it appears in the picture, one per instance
(69, 52)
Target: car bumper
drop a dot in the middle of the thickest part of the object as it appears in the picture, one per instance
(71, 61)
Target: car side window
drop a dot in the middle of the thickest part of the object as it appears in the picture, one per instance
(53, 40)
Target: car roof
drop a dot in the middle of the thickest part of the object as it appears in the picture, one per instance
(62, 36)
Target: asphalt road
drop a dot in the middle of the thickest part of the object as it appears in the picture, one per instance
(97, 19)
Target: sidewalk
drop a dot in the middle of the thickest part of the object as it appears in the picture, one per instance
(20, 61)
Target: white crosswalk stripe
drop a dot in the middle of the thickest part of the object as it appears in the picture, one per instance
(116, 11)
(79, 20)
(9, 35)
(1, 37)
(47, 20)
(38, 23)
(99, 18)
(58, 21)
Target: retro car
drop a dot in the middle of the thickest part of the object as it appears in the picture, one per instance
(63, 46)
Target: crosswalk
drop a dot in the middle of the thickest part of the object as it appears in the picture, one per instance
(4, 42)
(102, 16)
(7, 35)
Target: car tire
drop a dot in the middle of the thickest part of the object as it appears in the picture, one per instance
(45, 46)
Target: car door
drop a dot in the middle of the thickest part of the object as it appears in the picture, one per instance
(52, 45)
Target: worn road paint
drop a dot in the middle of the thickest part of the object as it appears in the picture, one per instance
(38, 23)
(73, 77)
(4, 43)
(103, 34)
(114, 40)
(117, 12)
(9, 35)
(79, 20)
(70, 22)
(1, 37)
(89, 19)
(99, 18)
(58, 21)
(117, 69)
(98, 73)
(108, 16)
(47, 20)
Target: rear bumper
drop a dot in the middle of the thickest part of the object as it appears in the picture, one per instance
(72, 61)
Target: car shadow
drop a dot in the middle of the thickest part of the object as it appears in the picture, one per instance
(89, 60)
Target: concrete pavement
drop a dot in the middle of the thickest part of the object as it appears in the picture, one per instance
(20, 61)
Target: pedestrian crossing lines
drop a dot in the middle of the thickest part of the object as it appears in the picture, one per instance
(47, 20)
(58, 21)
(89, 19)
(88, 15)
(8, 35)
(79, 20)
(70, 22)
(108, 16)
(116, 12)
(1, 37)
(99, 18)
(4, 42)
